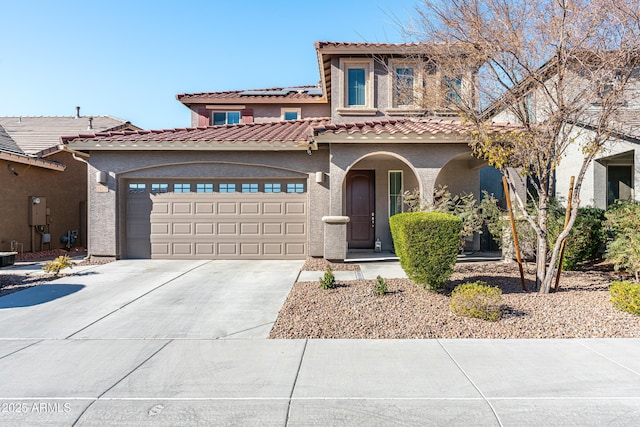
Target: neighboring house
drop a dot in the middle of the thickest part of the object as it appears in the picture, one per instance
(34, 169)
(615, 172)
(285, 172)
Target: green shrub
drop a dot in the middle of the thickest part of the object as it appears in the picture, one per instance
(586, 238)
(623, 224)
(328, 281)
(427, 244)
(380, 287)
(625, 296)
(476, 299)
(57, 264)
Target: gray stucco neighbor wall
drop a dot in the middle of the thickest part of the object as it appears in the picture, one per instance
(106, 210)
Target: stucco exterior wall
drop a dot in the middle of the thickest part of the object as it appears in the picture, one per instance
(594, 186)
(263, 113)
(106, 217)
(64, 191)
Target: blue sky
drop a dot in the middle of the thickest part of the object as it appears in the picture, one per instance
(130, 58)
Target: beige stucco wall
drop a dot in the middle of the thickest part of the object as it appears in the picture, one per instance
(64, 192)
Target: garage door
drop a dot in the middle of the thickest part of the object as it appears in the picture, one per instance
(223, 220)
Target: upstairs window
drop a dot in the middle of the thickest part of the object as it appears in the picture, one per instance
(219, 118)
(453, 89)
(290, 113)
(356, 82)
(404, 87)
(356, 86)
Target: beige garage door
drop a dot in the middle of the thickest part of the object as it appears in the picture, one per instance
(238, 225)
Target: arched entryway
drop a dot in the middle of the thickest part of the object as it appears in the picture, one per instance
(372, 192)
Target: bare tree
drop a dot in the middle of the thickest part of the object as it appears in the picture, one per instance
(561, 68)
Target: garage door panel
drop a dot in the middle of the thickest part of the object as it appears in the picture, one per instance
(161, 228)
(204, 208)
(249, 208)
(252, 229)
(230, 208)
(204, 228)
(182, 228)
(228, 226)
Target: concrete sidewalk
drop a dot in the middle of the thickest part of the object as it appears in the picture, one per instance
(320, 382)
(144, 342)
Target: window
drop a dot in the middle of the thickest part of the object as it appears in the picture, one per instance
(356, 83)
(453, 86)
(395, 192)
(225, 118)
(204, 188)
(182, 188)
(290, 113)
(356, 86)
(404, 87)
(135, 188)
(295, 188)
(249, 188)
(530, 107)
(159, 188)
(227, 188)
(272, 188)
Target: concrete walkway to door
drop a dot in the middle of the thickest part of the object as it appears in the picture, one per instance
(175, 343)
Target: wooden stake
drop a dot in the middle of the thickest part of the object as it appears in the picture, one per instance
(513, 230)
(566, 221)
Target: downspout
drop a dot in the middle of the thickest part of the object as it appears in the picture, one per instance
(74, 155)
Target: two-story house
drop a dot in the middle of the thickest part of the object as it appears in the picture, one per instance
(286, 172)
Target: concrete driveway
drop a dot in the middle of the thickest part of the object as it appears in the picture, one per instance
(152, 299)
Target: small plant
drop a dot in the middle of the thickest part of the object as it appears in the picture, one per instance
(625, 296)
(328, 281)
(380, 286)
(57, 264)
(477, 300)
(623, 223)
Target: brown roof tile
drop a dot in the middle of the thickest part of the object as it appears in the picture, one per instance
(282, 131)
(408, 126)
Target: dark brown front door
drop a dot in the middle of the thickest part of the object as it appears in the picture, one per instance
(361, 209)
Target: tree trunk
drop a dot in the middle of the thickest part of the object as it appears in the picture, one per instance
(541, 253)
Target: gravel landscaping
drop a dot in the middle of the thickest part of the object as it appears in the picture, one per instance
(580, 309)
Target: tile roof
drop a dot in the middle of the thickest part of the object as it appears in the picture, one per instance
(431, 126)
(271, 135)
(290, 94)
(34, 134)
(293, 131)
(8, 145)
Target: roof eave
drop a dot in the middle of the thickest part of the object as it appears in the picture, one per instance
(192, 146)
(32, 161)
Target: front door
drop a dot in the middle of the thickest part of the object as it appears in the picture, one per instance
(361, 209)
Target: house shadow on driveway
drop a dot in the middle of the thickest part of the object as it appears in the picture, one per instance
(38, 295)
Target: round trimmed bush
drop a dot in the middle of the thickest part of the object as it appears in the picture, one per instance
(477, 300)
(427, 244)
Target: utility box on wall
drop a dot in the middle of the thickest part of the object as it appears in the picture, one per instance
(37, 210)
